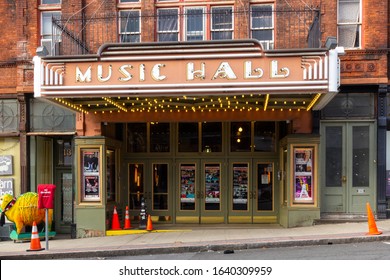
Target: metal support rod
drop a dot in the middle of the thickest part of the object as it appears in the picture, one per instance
(47, 228)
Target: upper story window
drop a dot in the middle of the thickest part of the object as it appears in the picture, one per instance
(129, 26)
(44, 2)
(50, 37)
(195, 24)
(349, 23)
(129, 1)
(168, 25)
(262, 25)
(221, 23)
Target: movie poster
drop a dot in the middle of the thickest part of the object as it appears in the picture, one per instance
(187, 175)
(91, 175)
(240, 186)
(212, 177)
(303, 175)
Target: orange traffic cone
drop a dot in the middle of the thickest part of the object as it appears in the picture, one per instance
(127, 219)
(149, 225)
(35, 244)
(373, 230)
(115, 220)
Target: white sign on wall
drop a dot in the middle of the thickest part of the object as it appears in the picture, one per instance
(6, 165)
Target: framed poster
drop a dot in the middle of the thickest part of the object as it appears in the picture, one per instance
(90, 177)
(303, 191)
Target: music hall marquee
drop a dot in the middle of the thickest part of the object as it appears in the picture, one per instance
(193, 76)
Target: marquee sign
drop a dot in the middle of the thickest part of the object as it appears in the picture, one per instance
(181, 68)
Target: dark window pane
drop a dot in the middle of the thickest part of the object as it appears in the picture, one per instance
(188, 137)
(159, 137)
(240, 137)
(160, 186)
(211, 137)
(264, 187)
(136, 137)
(264, 140)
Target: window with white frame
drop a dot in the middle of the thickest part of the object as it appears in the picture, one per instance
(262, 25)
(167, 25)
(194, 24)
(221, 23)
(50, 36)
(129, 26)
(349, 23)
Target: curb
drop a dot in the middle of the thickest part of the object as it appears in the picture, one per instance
(178, 248)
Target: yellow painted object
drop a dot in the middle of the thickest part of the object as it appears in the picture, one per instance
(24, 210)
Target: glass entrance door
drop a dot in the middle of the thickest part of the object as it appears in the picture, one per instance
(150, 181)
(349, 167)
(200, 192)
(252, 195)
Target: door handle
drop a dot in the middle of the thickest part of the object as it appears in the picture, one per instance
(344, 179)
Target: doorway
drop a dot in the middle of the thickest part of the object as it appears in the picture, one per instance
(252, 195)
(201, 192)
(348, 168)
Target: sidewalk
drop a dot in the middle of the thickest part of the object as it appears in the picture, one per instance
(194, 238)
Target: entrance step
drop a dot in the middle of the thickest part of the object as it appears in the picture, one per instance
(340, 218)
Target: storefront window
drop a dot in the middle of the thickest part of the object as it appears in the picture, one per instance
(240, 137)
(211, 137)
(188, 137)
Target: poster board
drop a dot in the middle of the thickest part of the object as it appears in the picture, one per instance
(303, 175)
(91, 175)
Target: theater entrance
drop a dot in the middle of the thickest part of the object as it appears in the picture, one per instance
(234, 191)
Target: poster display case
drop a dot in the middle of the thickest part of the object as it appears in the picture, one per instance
(303, 188)
(91, 175)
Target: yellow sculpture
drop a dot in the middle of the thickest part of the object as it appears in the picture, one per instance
(23, 211)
